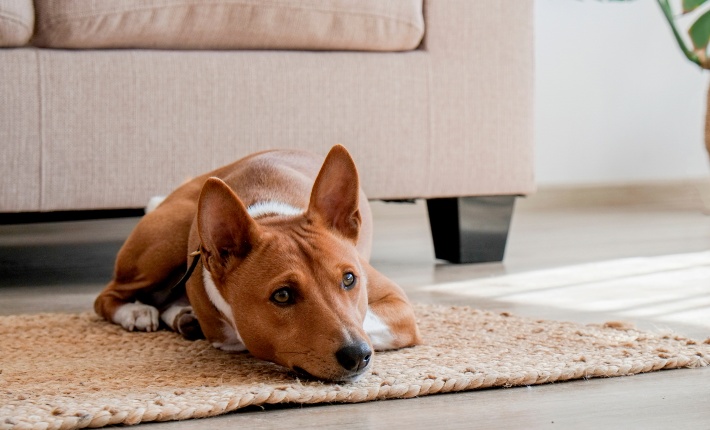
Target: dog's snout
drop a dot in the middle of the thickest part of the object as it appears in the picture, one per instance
(355, 356)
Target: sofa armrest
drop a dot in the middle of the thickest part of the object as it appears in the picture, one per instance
(482, 70)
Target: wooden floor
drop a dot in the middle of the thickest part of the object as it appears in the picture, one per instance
(62, 266)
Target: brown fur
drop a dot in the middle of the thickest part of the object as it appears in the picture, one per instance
(250, 259)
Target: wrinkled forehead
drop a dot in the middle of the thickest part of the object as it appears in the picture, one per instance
(320, 251)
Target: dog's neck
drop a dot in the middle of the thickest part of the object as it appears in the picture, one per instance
(271, 208)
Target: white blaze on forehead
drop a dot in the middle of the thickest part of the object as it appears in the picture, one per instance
(271, 207)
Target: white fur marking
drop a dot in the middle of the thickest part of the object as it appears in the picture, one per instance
(169, 315)
(271, 207)
(137, 316)
(379, 333)
(153, 203)
(232, 342)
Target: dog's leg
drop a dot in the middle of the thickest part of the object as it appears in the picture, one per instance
(181, 319)
(136, 316)
(390, 321)
(150, 259)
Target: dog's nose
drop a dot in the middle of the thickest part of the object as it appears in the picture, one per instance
(354, 356)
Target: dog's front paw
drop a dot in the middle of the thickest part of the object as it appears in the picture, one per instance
(137, 316)
(187, 325)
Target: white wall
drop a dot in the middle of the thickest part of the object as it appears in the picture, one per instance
(616, 101)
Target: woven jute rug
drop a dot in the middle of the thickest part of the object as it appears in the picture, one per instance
(67, 371)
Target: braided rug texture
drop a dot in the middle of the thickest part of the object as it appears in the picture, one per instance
(69, 371)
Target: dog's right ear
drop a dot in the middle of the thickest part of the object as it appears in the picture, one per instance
(335, 194)
(226, 230)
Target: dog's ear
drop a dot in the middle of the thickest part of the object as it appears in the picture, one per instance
(225, 228)
(335, 194)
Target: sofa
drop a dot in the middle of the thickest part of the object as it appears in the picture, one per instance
(106, 104)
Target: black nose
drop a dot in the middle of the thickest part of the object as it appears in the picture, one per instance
(354, 356)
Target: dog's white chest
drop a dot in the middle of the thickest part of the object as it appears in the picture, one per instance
(232, 339)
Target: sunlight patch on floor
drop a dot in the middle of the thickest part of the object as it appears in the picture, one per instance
(674, 288)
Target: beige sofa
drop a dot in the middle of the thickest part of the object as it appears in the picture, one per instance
(105, 108)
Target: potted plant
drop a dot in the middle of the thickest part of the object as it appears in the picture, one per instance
(694, 17)
(698, 28)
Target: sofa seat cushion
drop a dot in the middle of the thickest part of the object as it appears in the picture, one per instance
(368, 25)
(17, 18)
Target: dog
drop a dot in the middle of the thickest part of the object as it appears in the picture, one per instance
(279, 243)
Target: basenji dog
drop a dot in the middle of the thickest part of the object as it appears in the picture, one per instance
(279, 242)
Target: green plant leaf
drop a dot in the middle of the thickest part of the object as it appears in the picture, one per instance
(700, 31)
(668, 14)
(691, 5)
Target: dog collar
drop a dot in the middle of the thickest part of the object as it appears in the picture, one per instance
(181, 283)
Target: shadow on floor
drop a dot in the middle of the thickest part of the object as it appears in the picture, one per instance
(57, 264)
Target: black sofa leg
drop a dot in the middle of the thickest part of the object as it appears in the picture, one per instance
(470, 229)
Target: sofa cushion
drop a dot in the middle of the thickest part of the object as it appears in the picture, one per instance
(17, 18)
(371, 25)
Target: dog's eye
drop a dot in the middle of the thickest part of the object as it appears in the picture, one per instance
(349, 280)
(283, 296)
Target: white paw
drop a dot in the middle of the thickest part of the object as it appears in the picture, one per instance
(380, 334)
(170, 315)
(137, 316)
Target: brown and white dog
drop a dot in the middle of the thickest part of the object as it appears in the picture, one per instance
(283, 266)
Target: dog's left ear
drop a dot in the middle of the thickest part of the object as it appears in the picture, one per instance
(224, 225)
(335, 194)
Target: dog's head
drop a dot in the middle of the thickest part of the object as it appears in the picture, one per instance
(295, 285)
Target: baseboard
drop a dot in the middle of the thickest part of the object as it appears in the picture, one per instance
(686, 194)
